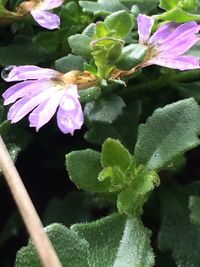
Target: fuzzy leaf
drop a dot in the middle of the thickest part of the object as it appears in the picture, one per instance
(68, 63)
(80, 45)
(169, 132)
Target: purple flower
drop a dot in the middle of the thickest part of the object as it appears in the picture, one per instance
(43, 92)
(168, 44)
(38, 10)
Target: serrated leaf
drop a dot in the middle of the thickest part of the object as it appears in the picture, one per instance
(177, 233)
(117, 241)
(80, 45)
(178, 15)
(71, 249)
(169, 132)
(115, 154)
(68, 63)
(120, 22)
(85, 175)
(102, 7)
(105, 109)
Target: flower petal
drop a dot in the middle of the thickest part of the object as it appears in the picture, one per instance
(183, 31)
(29, 72)
(50, 4)
(70, 114)
(23, 106)
(145, 24)
(46, 19)
(180, 63)
(162, 33)
(178, 47)
(22, 89)
(45, 111)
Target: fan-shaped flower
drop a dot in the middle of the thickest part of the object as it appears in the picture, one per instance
(168, 44)
(38, 10)
(43, 92)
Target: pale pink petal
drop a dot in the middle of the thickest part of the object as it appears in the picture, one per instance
(45, 111)
(180, 63)
(178, 47)
(23, 106)
(70, 114)
(46, 19)
(50, 4)
(145, 24)
(162, 33)
(183, 31)
(28, 72)
(28, 88)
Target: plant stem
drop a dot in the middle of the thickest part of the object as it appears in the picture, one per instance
(31, 219)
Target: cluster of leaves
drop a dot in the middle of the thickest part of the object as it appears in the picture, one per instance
(141, 132)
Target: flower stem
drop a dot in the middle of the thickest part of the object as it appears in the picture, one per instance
(31, 219)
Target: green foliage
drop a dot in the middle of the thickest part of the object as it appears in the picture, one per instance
(68, 63)
(194, 205)
(102, 7)
(187, 5)
(105, 109)
(169, 132)
(80, 45)
(113, 241)
(177, 233)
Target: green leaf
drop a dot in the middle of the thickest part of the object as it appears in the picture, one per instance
(132, 55)
(190, 5)
(178, 15)
(52, 45)
(68, 63)
(85, 175)
(105, 109)
(115, 154)
(90, 94)
(102, 7)
(168, 4)
(124, 128)
(120, 22)
(177, 233)
(169, 132)
(194, 205)
(71, 249)
(117, 241)
(80, 45)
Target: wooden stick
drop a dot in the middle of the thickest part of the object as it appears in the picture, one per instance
(31, 219)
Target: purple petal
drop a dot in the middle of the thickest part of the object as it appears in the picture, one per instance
(145, 25)
(45, 111)
(29, 72)
(183, 31)
(178, 47)
(180, 63)
(46, 19)
(23, 106)
(50, 4)
(163, 32)
(70, 114)
(22, 89)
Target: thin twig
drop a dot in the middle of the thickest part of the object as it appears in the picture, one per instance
(31, 219)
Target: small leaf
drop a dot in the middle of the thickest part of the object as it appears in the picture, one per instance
(80, 45)
(120, 22)
(105, 109)
(85, 175)
(115, 154)
(68, 63)
(169, 132)
(168, 4)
